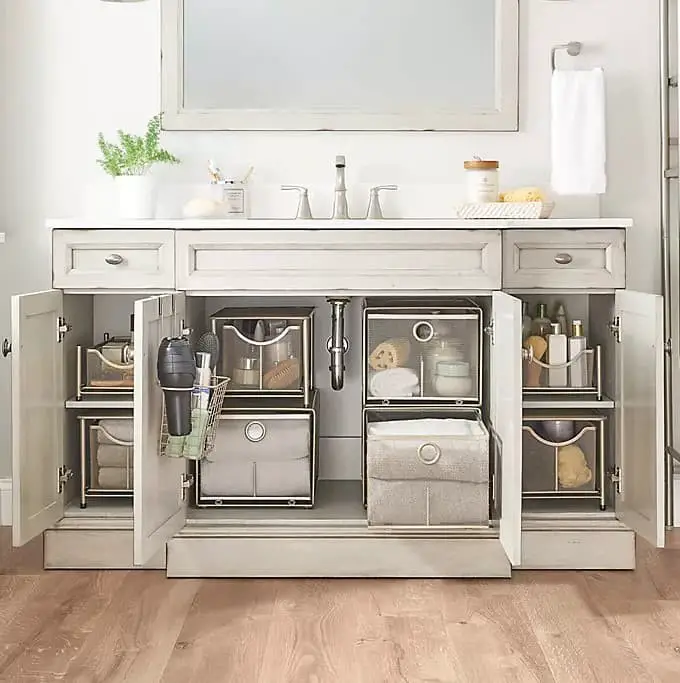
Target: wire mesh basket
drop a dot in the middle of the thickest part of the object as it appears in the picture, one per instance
(201, 441)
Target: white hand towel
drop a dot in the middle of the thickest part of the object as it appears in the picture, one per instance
(394, 383)
(578, 132)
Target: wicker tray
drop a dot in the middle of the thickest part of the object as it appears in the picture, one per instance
(517, 210)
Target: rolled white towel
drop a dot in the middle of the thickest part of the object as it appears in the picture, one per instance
(123, 430)
(115, 478)
(109, 455)
(394, 383)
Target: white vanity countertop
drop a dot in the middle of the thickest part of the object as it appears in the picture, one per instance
(326, 224)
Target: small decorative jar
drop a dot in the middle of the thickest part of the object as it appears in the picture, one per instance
(481, 181)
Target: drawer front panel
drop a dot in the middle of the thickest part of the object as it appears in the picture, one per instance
(362, 261)
(573, 259)
(113, 259)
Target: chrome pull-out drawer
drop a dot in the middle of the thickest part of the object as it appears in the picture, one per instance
(572, 259)
(325, 261)
(113, 259)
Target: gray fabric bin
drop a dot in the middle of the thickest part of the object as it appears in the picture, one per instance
(427, 472)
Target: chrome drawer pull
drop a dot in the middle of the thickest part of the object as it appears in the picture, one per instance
(423, 331)
(114, 259)
(432, 447)
(563, 259)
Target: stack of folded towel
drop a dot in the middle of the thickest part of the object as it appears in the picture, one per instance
(114, 460)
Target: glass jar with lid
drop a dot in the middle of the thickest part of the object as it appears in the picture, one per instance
(481, 180)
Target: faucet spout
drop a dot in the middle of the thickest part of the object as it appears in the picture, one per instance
(340, 208)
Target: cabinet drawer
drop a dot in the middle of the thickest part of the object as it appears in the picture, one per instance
(323, 261)
(573, 259)
(113, 259)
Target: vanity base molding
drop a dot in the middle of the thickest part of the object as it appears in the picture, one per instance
(335, 557)
(601, 547)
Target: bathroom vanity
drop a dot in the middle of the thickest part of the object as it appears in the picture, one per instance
(174, 275)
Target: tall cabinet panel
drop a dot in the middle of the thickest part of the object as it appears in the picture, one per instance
(159, 506)
(640, 418)
(505, 411)
(37, 413)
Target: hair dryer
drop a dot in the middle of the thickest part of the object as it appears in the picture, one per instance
(176, 374)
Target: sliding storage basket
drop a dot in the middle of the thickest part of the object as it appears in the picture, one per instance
(105, 369)
(266, 352)
(426, 472)
(422, 353)
(266, 454)
(106, 456)
(563, 457)
(580, 376)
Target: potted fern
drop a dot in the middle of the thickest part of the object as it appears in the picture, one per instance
(129, 163)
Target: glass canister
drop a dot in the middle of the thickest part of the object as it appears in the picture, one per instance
(481, 180)
(440, 349)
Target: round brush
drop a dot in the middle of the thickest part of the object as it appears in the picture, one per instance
(209, 343)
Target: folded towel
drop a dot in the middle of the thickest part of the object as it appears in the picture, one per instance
(115, 478)
(394, 383)
(114, 456)
(123, 430)
(578, 132)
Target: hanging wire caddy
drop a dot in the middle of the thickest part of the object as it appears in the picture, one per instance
(206, 437)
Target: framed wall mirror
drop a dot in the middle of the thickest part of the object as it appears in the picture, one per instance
(351, 65)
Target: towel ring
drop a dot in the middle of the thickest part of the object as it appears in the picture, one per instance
(573, 49)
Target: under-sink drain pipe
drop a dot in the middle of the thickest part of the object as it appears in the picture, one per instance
(337, 343)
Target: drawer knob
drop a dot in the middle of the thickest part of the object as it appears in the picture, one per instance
(255, 431)
(429, 453)
(563, 259)
(114, 259)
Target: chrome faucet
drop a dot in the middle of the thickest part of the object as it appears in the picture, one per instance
(340, 209)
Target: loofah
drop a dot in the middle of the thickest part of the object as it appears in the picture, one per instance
(523, 194)
(392, 353)
(283, 375)
(533, 371)
(572, 467)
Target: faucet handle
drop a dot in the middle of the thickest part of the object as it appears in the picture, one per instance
(374, 210)
(303, 210)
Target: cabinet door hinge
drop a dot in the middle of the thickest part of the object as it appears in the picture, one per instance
(62, 328)
(186, 482)
(615, 478)
(63, 475)
(184, 330)
(615, 328)
(488, 330)
(668, 346)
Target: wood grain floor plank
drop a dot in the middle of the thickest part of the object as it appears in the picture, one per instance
(225, 633)
(134, 638)
(48, 656)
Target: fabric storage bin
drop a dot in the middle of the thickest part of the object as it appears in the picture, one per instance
(266, 351)
(106, 456)
(563, 457)
(263, 456)
(427, 472)
(415, 352)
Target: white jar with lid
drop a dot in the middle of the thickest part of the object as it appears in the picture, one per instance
(481, 181)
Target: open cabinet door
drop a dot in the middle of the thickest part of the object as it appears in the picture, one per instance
(505, 411)
(38, 395)
(640, 449)
(159, 508)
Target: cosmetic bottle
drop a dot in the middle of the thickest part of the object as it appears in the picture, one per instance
(540, 325)
(578, 370)
(557, 355)
(526, 321)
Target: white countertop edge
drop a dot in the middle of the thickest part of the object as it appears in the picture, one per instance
(325, 224)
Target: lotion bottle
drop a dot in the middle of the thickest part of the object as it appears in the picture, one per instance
(578, 370)
(557, 355)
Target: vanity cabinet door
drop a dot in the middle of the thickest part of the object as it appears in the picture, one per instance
(159, 506)
(38, 416)
(640, 452)
(505, 411)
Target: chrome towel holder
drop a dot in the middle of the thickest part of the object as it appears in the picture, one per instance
(573, 49)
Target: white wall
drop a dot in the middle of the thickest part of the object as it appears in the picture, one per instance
(73, 67)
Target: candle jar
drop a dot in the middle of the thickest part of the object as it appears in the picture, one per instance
(481, 181)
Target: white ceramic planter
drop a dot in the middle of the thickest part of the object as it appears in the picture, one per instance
(136, 196)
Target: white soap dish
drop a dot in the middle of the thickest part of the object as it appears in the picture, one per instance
(513, 210)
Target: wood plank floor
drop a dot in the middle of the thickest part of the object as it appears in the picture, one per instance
(570, 627)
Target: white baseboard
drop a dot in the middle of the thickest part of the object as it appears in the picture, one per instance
(5, 502)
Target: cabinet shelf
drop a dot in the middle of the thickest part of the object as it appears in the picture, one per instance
(567, 403)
